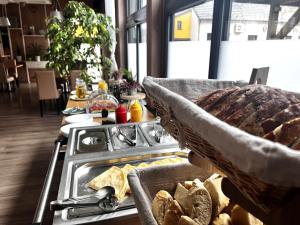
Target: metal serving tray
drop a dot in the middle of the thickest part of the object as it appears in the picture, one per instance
(156, 134)
(89, 140)
(131, 131)
(82, 173)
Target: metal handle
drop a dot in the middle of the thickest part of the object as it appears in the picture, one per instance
(39, 212)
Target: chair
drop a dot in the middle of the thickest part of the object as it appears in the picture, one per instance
(259, 75)
(47, 88)
(11, 66)
(73, 75)
(5, 78)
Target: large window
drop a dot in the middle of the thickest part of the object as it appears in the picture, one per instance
(189, 43)
(262, 35)
(136, 38)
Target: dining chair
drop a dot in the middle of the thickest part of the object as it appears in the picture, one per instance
(11, 66)
(5, 78)
(73, 75)
(47, 88)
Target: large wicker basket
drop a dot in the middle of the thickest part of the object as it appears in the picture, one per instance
(265, 172)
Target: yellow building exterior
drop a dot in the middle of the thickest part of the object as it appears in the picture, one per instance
(182, 26)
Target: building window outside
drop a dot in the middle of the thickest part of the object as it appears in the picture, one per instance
(252, 37)
(179, 25)
(208, 37)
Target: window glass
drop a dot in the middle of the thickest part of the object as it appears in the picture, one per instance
(189, 49)
(132, 6)
(143, 3)
(131, 50)
(143, 53)
(262, 35)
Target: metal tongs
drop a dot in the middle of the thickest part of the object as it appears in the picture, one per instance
(104, 199)
(122, 137)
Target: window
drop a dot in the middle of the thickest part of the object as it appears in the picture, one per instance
(273, 26)
(188, 48)
(136, 38)
(179, 25)
(208, 36)
(252, 37)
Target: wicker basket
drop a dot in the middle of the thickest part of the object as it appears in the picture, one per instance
(244, 158)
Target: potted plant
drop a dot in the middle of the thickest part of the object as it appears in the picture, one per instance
(75, 41)
(19, 54)
(36, 51)
(130, 84)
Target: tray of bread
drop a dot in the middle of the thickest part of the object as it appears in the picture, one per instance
(184, 195)
(89, 177)
(249, 132)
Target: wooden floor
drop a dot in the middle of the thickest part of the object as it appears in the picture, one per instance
(26, 144)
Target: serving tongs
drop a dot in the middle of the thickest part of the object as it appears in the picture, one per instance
(122, 137)
(104, 199)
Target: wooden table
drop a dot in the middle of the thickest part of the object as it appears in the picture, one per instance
(147, 115)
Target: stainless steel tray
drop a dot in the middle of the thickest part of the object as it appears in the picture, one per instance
(89, 140)
(132, 131)
(82, 173)
(156, 134)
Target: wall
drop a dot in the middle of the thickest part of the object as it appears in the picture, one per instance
(186, 20)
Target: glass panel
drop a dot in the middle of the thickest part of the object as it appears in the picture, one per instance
(131, 50)
(143, 53)
(260, 36)
(143, 3)
(189, 50)
(132, 6)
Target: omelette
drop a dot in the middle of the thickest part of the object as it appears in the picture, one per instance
(117, 177)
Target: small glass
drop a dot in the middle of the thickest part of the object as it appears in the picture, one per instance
(80, 88)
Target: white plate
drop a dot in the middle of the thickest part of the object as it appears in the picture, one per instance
(79, 118)
(66, 129)
(75, 98)
(74, 92)
(112, 116)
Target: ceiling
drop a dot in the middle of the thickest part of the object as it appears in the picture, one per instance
(27, 1)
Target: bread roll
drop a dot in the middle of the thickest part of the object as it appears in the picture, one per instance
(288, 134)
(241, 217)
(222, 219)
(185, 220)
(160, 205)
(200, 204)
(188, 184)
(173, 214)
(219, 200)
(181, 196)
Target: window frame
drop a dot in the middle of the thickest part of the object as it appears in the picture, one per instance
(135, 20)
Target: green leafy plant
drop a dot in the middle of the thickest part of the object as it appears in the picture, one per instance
(74, 41)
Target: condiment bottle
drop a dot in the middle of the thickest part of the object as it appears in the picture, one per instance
(121, 114)
(80, 88)
(136, 112)
(102, 85)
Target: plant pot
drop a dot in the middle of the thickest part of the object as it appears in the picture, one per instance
(38, 58)
(19, 58)
(132, 91)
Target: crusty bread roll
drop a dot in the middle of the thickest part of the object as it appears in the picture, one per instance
(160, 205)
(188, 184)
(173, 214)
(288, 134)
(181, 196)
(200, 204)
(219, 200)
(239, 216)
(185, 220)
(222, 219)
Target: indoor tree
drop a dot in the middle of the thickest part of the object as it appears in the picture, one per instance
(74, 39)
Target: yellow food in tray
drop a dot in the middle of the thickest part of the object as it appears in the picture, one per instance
(114, 177)
(117, 177)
